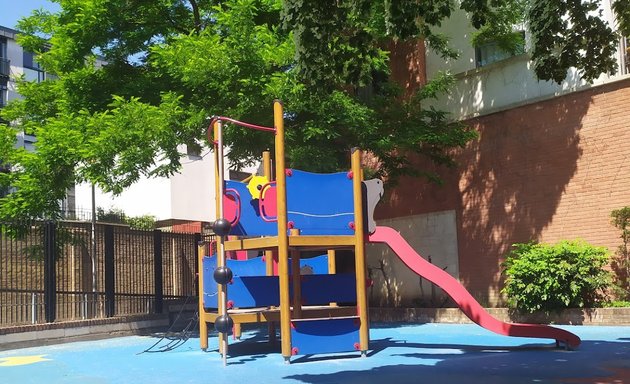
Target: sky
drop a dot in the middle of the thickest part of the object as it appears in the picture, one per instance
(13, 10)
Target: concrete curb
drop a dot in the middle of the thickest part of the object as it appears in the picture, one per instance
(595, 316)
(62, 332)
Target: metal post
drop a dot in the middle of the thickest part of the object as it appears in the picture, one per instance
(110, 278)
(50, 275)
(33, 308)
(203, 326)
(220, 178)
(195, 282)
(93, 253)
(157, 268)
(84, 306)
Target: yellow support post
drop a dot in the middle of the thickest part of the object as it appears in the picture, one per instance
(332, 256)
(283, 239)
(359, 251)
(332, 267)
(203, 326)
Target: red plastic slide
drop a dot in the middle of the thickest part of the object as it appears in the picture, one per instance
(462, 297)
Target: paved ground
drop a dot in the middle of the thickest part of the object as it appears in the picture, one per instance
(426, 353)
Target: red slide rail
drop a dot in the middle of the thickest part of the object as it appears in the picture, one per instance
(462, 297)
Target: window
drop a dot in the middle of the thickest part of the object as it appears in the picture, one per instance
(32, 70)
(3, 92)
(625, 53)
(193, 149)
(491, 52)
(4, 61)
(4, 191)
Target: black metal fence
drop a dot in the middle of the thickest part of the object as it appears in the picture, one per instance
(71, 271)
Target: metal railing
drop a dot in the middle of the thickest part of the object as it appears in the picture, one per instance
(50, 272)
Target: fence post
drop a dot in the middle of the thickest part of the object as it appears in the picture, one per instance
(196, 271)
(157, 268)
(110, 278)
(50, 275)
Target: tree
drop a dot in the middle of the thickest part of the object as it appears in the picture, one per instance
(138, 78)
(565, 33)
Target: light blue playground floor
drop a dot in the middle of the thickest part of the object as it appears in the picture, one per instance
(400, 354)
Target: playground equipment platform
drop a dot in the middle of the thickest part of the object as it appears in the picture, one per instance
(266, 267)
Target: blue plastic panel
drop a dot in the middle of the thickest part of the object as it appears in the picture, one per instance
(250, 223)
(317, 204)
(324, 289)
(249, 288)
(313, 336)
(251, 267)
(312, 265)
(320, 204)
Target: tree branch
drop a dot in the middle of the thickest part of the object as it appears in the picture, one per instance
(196, 15)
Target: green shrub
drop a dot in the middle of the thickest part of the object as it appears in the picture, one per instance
(145, 222)
(621, 261)
(569, 274)
(618, 304)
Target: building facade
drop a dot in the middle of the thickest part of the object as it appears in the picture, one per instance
(549, 164)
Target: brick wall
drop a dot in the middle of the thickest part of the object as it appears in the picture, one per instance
(407, 65)
(546, 171)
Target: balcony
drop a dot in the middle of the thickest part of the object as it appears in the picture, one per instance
(5, 67)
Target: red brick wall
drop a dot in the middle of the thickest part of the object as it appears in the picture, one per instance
(547, 171)
(407, 65)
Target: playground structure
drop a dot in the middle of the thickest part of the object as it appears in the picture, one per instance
(294, 224)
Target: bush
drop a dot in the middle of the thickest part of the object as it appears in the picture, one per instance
(621, 262)
(569, 274)
(145, 222)
(618, 304)
(117, 216)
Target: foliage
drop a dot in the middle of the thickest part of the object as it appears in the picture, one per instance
(622, 14)
(564, 33)
(621, 262)
(146, 222)
(571, 34)
(569, 274)
(502, 26)
(114, 215)
(618, 304)
(138, 79)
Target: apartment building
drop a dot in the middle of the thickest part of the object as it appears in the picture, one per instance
(550, 163)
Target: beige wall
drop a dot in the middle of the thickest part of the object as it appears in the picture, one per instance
(434, 237)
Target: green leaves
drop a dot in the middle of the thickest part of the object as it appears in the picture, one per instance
(138, 79)
(335, 44)
(569, 274)
(569, 34)
(620, 218)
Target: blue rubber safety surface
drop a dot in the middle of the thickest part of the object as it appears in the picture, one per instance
(400, 353)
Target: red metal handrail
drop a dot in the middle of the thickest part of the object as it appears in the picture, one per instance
(238, 122)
